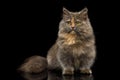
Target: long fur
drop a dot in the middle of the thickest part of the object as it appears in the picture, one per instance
(73, 50)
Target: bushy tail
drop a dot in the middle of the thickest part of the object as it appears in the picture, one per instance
(34, 64)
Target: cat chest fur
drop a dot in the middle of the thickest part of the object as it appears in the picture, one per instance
(70, 39)
(74, 45)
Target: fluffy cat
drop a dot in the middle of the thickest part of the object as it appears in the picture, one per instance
(74, 48)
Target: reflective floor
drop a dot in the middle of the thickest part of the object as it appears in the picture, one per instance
(48, 75)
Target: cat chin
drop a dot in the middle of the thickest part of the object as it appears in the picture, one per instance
(72, 32)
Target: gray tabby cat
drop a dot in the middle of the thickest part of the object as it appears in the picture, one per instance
(74, 48)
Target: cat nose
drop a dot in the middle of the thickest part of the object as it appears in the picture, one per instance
(73, 27)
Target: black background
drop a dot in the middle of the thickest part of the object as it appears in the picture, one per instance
(33, 26)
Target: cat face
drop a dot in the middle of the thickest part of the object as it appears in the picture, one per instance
(74, 20)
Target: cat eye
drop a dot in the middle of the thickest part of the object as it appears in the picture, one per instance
(78, 22)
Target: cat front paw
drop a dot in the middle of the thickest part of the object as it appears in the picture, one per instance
(68, 71)
(85, 71)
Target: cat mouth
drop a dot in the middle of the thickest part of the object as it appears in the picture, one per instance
(73, 31)
(73, 28)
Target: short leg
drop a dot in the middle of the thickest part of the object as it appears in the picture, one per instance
(85, 64)
(66, 61)
(68, 71)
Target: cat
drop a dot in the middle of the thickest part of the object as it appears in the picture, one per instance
(74, 48)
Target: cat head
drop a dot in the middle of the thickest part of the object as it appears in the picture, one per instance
(75, 20)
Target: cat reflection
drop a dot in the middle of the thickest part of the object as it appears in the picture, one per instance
(55, 76)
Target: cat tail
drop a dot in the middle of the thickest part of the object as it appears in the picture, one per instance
(34, 64)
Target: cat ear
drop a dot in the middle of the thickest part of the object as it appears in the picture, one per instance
(84, 13)
(65, 11)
